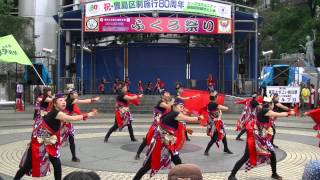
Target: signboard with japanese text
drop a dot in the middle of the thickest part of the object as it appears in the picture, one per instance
(158, 25)
(201, 7)
(287, 94)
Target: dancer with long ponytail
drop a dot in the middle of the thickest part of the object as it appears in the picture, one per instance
(43, 105)
(123, 115)
(167, 140)
(46, 142)
(259, 134)
(216, 129)
(67, 130)
(248, 113)
(162, 107)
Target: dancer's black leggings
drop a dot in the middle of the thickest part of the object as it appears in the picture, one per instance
(214, 139)
(28, 166)
(115, 127)
(72, 146)
(245, 158)
(142, 146)
(147, 166)
(244, 130)
(274, 132)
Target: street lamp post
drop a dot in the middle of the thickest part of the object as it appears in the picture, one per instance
(82, 46)
(256, 17)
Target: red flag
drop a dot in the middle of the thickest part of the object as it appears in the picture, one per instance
(134, 102)
(76, 109)
(243, 101)
(260, 99)
(315, 115)
(198, 105)
(220, 99)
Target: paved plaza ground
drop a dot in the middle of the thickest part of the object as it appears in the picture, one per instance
(115, 159)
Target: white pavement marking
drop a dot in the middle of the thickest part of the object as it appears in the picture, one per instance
(291, 168)
(281, 131)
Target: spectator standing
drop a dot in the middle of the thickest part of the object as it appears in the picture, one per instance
(101, 87)
(140, 87)
(178, 86)
(127, 83)
(305, 97)
(210, 83)
(312, 96)
(158, 86)
(149, 88)
(36, 93)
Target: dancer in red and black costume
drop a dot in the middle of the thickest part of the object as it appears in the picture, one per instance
(67, 130)
(46, 141)
(167, 140)
(247, 115)
(44, 105)
(184, 98)
(278, 107)
(215, 128)
(123, 116)
(162, 107)
(315, 115)
(259, 134)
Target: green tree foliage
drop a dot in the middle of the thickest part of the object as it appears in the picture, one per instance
(21, 28)
(286, 27)
(6, 6)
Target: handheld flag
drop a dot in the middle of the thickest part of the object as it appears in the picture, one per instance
(134, 102)
(11, 52)
(198, 105)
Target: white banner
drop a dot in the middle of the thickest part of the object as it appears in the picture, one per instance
(109, 7)
(287, 94)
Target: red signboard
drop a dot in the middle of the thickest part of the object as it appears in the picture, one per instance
(158, 25)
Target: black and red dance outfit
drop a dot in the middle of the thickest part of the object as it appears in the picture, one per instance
(123, 117)
(273, 121)
(158, 112)
(215, 128)
(67, 129)
(41, 108)
(259, 148)
(248, 114)
(44, 147)
(167, 139)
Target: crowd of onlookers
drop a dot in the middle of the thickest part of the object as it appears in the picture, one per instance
(147, 88)
(308, 97)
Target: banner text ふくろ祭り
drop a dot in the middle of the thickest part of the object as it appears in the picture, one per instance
(158, 25)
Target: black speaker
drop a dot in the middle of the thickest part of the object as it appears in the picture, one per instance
(242, 69)
(33, 78)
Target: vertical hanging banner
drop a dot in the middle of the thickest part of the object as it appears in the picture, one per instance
(158, 25)
(201, 7)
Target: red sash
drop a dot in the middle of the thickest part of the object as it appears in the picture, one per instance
(181, 136)
(50, 149)
(150, 134)
(156, 154)
(119, 119)
(218, 125)
(251, 144)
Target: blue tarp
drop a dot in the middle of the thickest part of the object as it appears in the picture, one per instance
(44, 74)
(266, 76)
